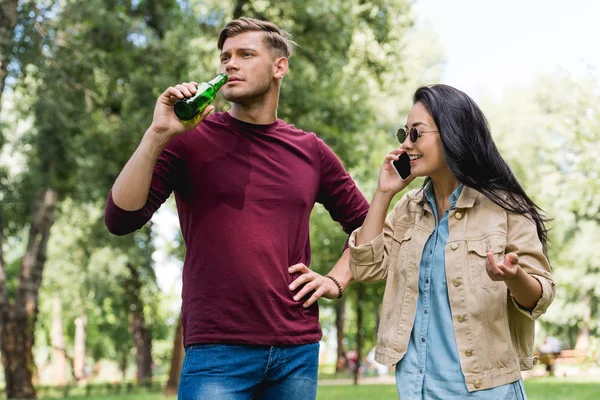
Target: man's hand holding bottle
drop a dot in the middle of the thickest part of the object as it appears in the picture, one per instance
(182, 107)
(164, 122)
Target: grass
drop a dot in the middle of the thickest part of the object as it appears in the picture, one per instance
(537, 389)
(563, 388)
(366, 392)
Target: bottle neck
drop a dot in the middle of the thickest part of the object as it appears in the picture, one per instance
(218, 81)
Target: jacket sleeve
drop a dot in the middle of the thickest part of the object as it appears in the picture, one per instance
(523, 240)
(369, 262)
(168, 174)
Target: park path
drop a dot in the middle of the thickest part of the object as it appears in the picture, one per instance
(563, 371)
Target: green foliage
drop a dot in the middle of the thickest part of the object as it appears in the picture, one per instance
(87, 270)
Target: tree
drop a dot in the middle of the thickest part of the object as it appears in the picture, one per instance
(177, 356)
(89, 51)
(110, 285)
(17, 46)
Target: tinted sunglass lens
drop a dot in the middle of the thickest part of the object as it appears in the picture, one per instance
(401, 135)
(414, 134)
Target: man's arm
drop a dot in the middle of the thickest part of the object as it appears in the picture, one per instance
(128, 207)
(341, 271)
(130, 190)
(345, 203)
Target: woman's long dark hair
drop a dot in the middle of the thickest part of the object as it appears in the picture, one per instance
(471, 154)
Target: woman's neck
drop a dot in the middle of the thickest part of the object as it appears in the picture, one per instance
(443, 187)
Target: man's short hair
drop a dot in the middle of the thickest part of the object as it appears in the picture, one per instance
(278, 40)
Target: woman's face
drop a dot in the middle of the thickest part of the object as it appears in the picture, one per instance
(426, 153)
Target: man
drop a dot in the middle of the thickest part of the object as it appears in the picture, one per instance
(245, 183)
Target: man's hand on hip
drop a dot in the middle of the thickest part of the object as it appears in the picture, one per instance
(319, 285)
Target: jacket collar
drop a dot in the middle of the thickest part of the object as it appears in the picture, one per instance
(466, 200)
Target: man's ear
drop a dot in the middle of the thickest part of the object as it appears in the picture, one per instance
(280, 68)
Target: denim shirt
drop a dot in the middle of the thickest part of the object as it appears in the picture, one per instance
(431, 367)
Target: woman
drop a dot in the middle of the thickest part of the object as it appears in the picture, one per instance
(463, 256)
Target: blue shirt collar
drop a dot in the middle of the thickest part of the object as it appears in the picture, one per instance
(453, 197)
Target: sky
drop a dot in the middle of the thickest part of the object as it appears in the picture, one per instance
(491, 46)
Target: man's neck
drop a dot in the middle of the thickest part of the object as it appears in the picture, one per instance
(259, 112)
(253, 116)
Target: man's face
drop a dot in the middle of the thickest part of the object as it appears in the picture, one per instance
(250, 66)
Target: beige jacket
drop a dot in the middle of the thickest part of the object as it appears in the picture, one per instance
(494, 335)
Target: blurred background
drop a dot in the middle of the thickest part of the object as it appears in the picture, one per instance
(84, 314)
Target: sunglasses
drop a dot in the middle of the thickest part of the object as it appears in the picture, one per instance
(413, 134)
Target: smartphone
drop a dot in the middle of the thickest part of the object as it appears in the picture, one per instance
(402, 166)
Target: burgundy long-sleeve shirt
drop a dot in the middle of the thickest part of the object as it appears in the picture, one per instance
(244, 195)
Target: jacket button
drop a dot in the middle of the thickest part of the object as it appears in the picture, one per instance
(454, 246)
(456, 282)
(461, 318)
(477, 384)
(458, 215)
(469, 353)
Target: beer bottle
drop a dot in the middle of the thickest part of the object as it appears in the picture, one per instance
(186, 109)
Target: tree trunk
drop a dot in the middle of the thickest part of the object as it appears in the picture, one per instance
(139, 330)
(17, 358)
(79, 347)
(176, 361)
(340, 319)
(17, 320)
(583, 337)
(59, 359)
(143, 347)
(123, 365)
(238, 10)
(8, 21)
(359, 317)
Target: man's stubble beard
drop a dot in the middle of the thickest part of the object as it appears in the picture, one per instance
(249, 97)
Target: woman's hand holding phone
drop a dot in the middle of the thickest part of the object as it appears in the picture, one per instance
(390, 183)
(395, 172)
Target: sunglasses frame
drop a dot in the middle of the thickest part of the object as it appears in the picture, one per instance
(414, 134)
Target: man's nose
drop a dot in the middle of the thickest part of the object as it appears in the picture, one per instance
(231, 64)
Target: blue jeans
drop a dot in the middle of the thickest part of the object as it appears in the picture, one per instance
(239, 372)
(516, 391)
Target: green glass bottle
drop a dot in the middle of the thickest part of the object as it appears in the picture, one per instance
(186, 109)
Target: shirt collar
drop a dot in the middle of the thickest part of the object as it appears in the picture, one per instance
(454, 197)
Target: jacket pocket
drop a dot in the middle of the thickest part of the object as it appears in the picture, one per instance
(477, 251)
(400, 247)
